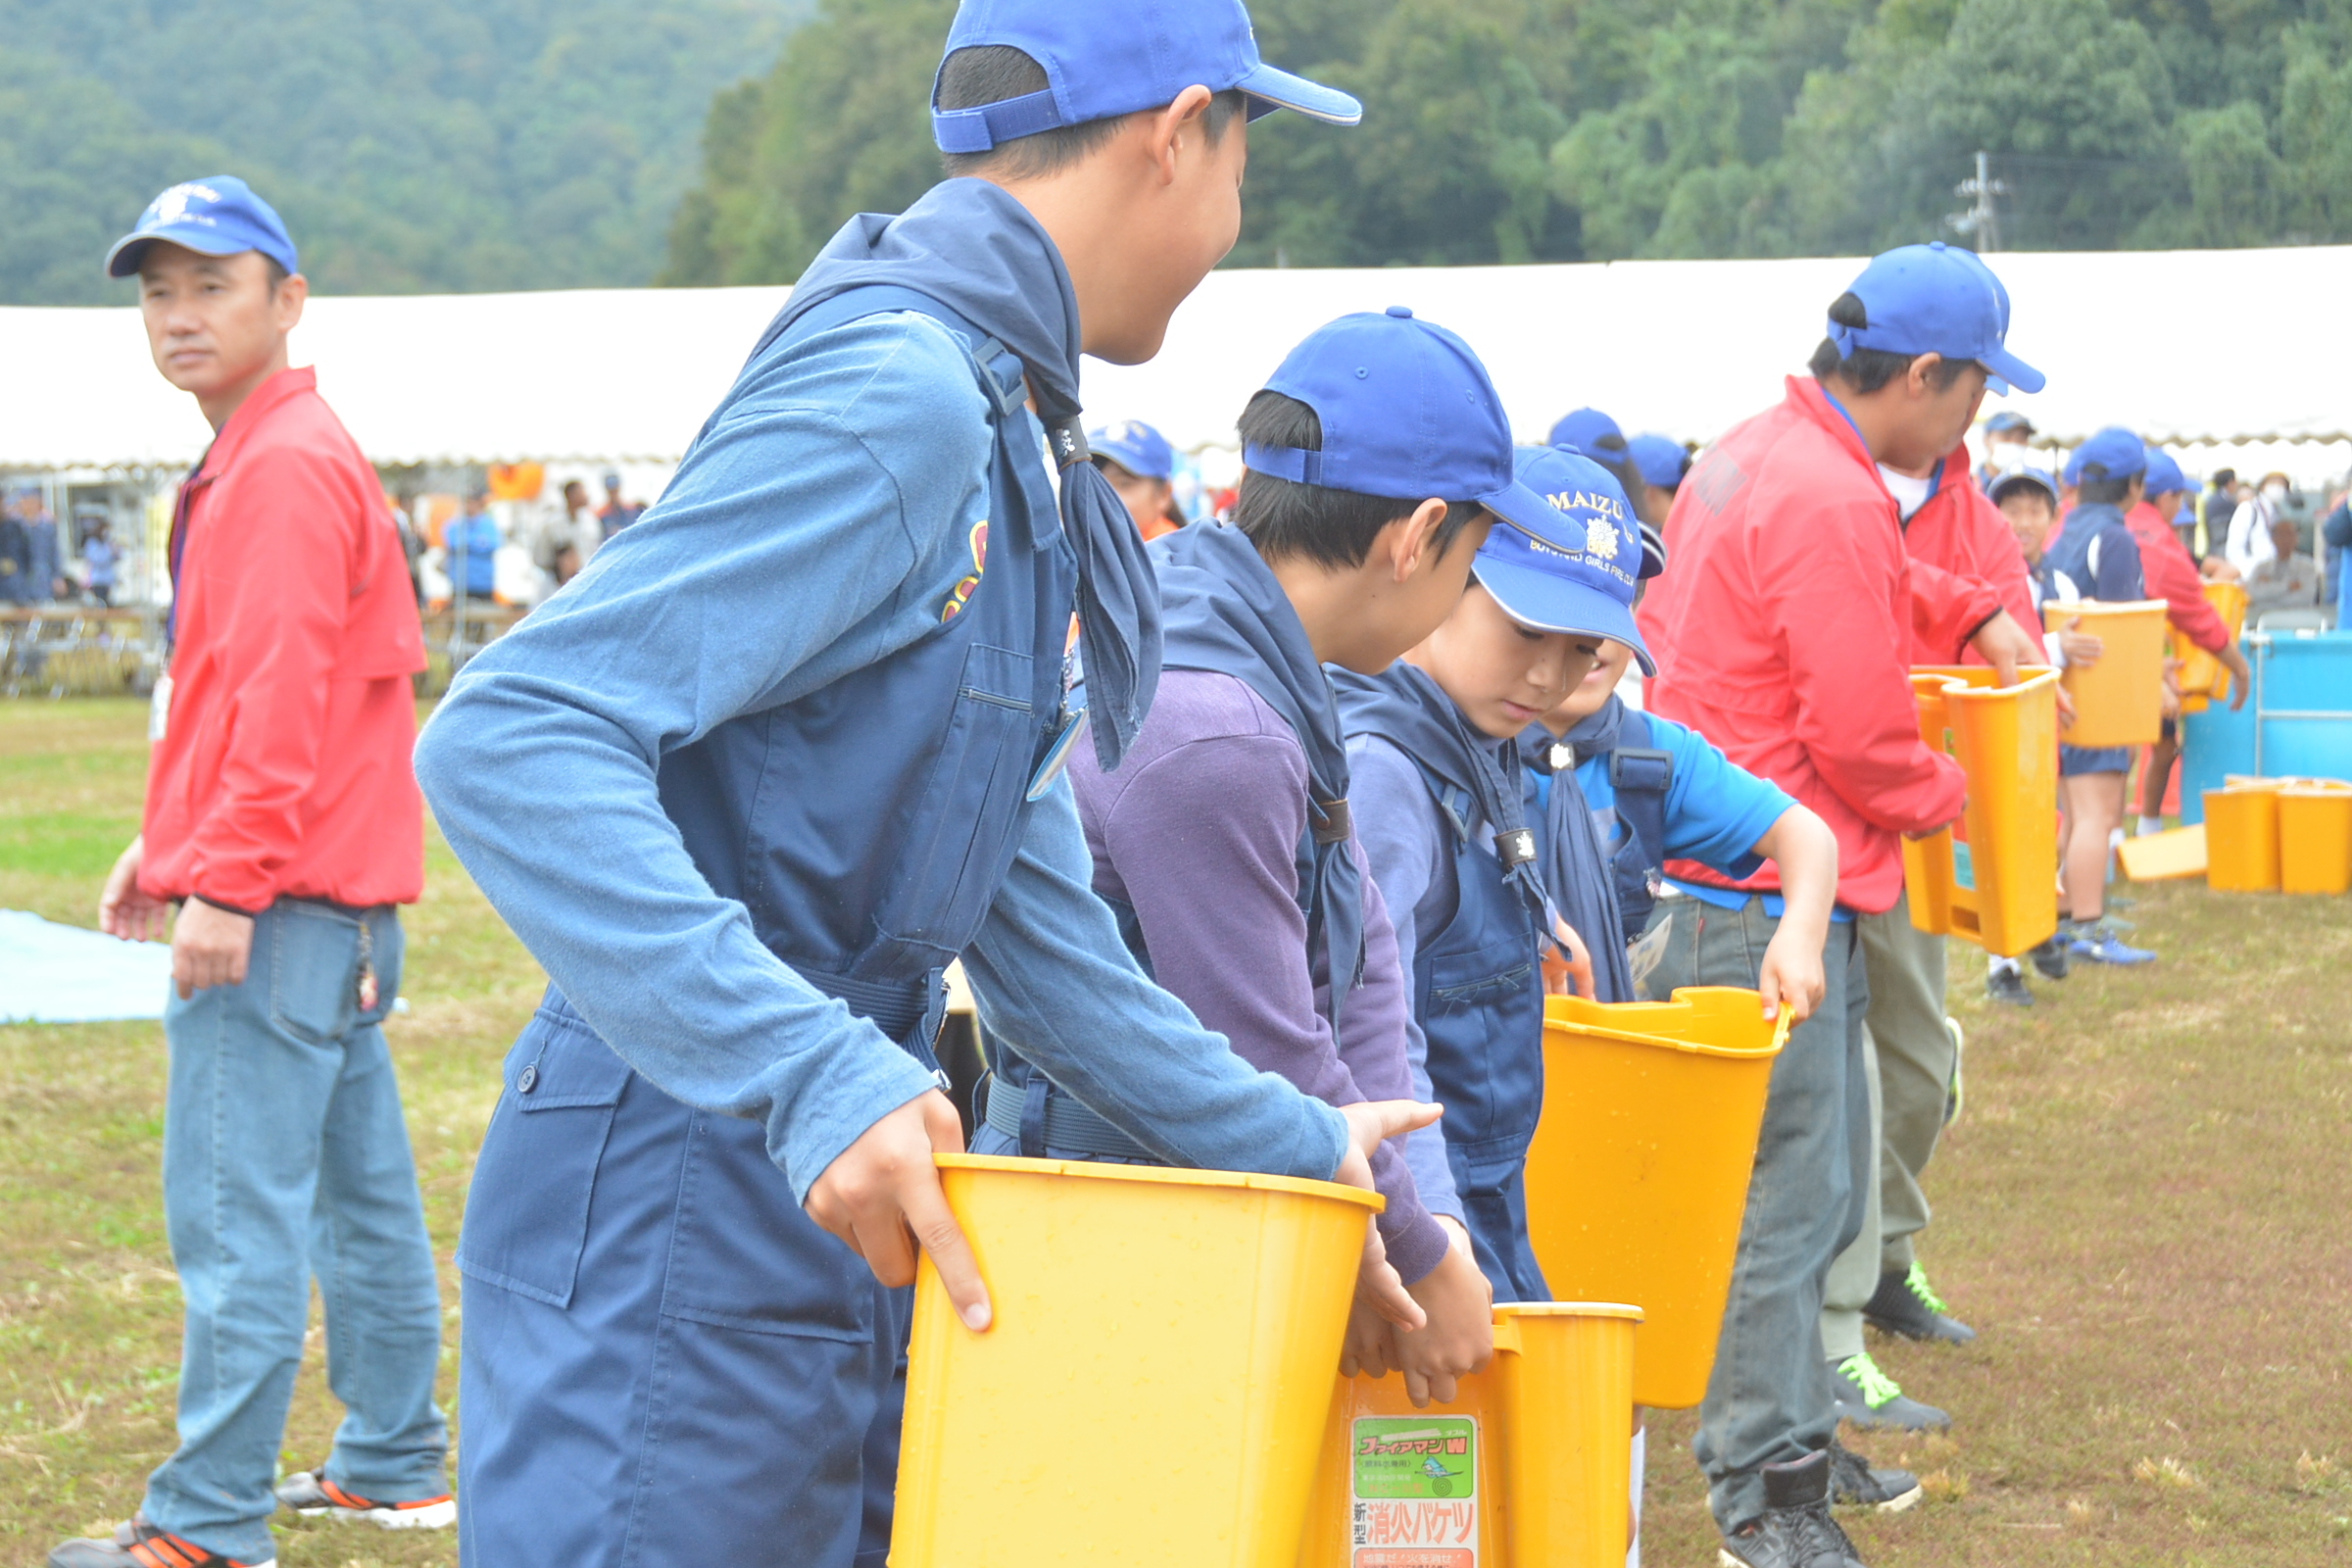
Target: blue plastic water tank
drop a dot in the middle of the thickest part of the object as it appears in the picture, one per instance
(2306, 687)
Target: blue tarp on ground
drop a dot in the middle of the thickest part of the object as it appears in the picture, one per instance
(52, 973)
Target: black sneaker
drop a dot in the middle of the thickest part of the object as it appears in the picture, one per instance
(2054, 956)
(309, 1492)
(1907, 1304)
(2009, 986)
(1795, 1530)
(139, 1544)
(1855, 1483)
(1873, 1400)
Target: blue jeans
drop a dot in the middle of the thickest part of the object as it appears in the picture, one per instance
(285, 1160)
(1769, 1399)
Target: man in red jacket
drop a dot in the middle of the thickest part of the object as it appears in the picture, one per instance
(283, 819)
(2173, 578)
(1783, 633)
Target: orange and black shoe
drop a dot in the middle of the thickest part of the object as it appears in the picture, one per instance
(139, 1544)
(311, 1494)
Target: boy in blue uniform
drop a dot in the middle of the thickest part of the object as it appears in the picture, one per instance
(1223, 841)
(2095, 557)
(1433, 752)
(806, 715)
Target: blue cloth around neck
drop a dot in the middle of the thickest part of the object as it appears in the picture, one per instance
(1224, 610)
(969, 245)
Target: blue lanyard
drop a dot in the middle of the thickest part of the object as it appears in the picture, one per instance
(182, 512)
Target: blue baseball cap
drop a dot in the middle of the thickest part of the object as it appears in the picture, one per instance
(1588, 430)
(2003, 483)
(1408, 413)
(2164, 473)
(1935, 298)
(2115, 451)
(1577, 569)
(217, 216)
(2006, 420)
(1136, 447)
(1105, 61)
(1660, 459)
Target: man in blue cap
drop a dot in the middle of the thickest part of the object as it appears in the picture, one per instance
(1782, 632)
(1659, 461)
(282, 819)
(1140, 466)
(2095, 557)
(2008, 445)
(810, 712)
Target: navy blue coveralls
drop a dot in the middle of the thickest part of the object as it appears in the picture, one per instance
(666, 1233)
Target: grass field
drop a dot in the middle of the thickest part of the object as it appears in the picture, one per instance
(2143, 1211)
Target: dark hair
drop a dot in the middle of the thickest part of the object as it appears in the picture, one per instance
(1868, 370)
(2223, 478)
(2102, 491)
(992, 73)
(1330, 527)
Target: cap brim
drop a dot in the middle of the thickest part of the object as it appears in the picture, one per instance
(1282, 90)
(1538, 598)
(2007, 367)
(123, 259)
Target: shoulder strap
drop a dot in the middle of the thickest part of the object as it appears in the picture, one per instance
(1004, 377)
(1642, 775)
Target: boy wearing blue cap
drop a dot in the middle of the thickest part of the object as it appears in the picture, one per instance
(2095, 557)
(1659, 462)
(1433, 744)
(1140, 466)
(1224, 841)
(811, 710)
(1783, 634)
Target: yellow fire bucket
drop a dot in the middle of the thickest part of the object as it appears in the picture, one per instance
(1529, 1468)
(1991, 878)
(1637, 1176)
(2314, 838)
(1154, 1390)
(2241, 836)
(2201, 678)
(2120, 699)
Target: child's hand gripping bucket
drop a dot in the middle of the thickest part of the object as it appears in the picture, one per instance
(1153, 1390)
(1638, 1176)
(1990, 880)
(1529, 1466)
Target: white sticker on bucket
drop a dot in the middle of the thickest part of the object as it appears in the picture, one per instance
(1412, 1491)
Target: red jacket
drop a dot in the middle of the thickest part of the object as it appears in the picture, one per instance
(1959, 533)
(1783, 630)
(2172, 577)
(285, 764)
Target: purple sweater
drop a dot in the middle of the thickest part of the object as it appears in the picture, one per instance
(1198, 833)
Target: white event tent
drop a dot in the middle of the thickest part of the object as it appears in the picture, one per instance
(2230, 349)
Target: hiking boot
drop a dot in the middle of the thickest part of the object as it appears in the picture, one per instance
(2099, 944)
(1795, 1530)
(2008, 986)
(139, 1544)
(1855, 1483)
(1907, 1304)
(1874, 1402)
(310, 1493)
(2052, 957)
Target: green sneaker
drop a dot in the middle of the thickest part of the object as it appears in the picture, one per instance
(1870, 1398)
(1905, 1304)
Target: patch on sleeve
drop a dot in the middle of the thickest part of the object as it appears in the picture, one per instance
(963, 589)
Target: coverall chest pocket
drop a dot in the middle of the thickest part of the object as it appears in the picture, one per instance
(965, 822)
(1486, 1045)
(526, 1217)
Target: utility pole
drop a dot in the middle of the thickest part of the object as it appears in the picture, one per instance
(1982, 223)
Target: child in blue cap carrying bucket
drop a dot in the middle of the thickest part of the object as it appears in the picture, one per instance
(808, 713)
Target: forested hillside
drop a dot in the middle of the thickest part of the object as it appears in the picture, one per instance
(1506, 130)
(412, 144)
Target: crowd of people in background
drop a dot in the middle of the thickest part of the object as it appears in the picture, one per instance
(41, 563)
